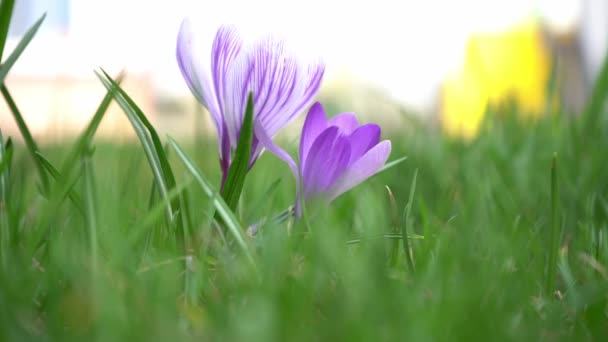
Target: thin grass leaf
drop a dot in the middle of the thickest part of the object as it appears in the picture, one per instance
(284, 215)
(391, 236)
(166, 176)
(424, 216)
(90, 204)
(262, 201)
(594, 264)
(162, 155)
(147, 144)
(185, 222)
(155, 211)
(212, 218)
(27, 136)
(6, 230)
(10, 61)
(554, 241)
(67, 177)
(6, 12)
(87, 135)
(52, 170)
(221, 207)
(152, 200)
(407, 249)
(43, 231)
(240, 163)
(7, 154)
(391, 164)
(161, 264)
(394, 256)
(569, 279)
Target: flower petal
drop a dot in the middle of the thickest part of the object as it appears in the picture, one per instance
(326, 161)
(347, 122)
(360, 170)
(266, 141)
(196, 75)
(282, 86)
(362, 140)
(226, 62)
(315, 123)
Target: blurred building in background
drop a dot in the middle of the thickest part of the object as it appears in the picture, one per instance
(445, 60)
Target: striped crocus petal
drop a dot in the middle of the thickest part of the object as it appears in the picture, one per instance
(197, 74)
(282, 85)
(338, 154)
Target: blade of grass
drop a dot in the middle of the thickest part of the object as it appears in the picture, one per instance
(138, 231)
(162, 155)
(6, 12)
(555, 231)
(27, 38)
(263, 201)
(284, 215)
(27, 136)
(67, 177)
(392, 236)
(221, 207)
(6, 153)
(52, 170)
(566, 274)
(240, 163)
(166, 178)
(87, 136)
(43, 231)
(147, 144)
(90, 205)
(425, 217)
(6, 232)
(406, 224)
(395, 248)
(183, 207)
(156, 210)
(155, 232)
(212, 218)
(392, 164)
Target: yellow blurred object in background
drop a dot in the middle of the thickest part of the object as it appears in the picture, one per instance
(498, 68)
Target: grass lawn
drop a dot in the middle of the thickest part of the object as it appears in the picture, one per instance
(104, 263)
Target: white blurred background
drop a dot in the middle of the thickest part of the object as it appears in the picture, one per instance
(401, 51)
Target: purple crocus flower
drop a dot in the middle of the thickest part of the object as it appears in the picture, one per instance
(281, 85)
(338, 154)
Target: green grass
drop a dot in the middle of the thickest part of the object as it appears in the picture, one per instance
(508, 238)
(483, 207)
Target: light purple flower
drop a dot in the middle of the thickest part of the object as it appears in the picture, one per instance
(338, 154)
(281, 85)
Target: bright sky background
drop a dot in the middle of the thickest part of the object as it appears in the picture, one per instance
(403, 47)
